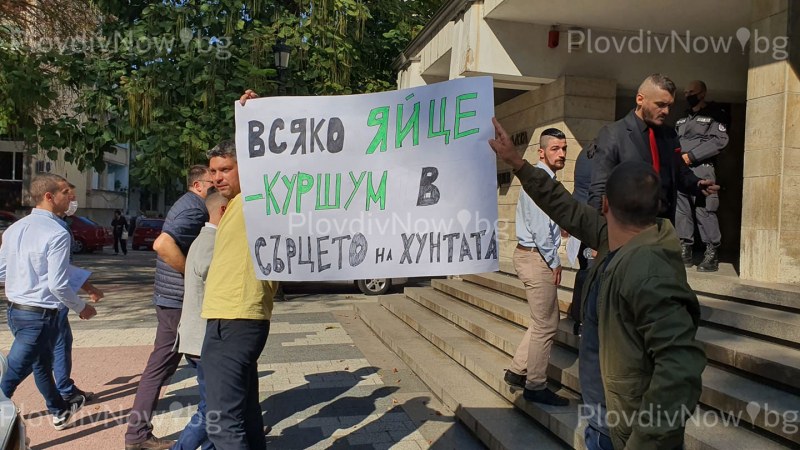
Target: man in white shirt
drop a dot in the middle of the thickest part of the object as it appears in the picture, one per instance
(34, 265)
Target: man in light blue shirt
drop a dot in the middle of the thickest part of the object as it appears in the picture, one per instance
(538, 266)
(34, 265)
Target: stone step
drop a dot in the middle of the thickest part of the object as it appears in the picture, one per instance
(722, 390)
(490, 417)
(782, 326)
(766, 359)
(487, 363)
(727, 285)
(767, 323)
(724, 284)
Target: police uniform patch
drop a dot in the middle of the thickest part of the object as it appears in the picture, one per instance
(722, 128)
(681, 121)
(704, 119)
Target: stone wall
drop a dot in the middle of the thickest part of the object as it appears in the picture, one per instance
(579, 107)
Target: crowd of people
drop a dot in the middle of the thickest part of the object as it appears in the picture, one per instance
(641, 180)
(639, 185)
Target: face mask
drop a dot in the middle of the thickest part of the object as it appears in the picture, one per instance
(73, 206)
(693, 100)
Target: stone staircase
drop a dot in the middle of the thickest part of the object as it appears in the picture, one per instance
(459, 334)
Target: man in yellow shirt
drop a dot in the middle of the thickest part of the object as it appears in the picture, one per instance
(238, 307)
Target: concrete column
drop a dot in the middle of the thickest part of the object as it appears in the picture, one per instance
(770, 249)
(577, 106)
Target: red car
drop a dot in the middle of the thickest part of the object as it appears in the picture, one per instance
(146, 232)
(87, 235)
(6, 219)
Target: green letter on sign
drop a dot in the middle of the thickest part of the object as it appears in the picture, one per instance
(460, 115)
(379, 116)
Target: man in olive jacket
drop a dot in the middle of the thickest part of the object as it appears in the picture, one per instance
(646, 315)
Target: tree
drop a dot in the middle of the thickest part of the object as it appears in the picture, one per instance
(164, 75)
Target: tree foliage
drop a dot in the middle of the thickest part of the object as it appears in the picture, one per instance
(163, 75)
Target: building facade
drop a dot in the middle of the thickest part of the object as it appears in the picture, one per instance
(576, 65)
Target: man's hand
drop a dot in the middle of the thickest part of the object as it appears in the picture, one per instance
(686, 159)
(88, 312)
(94, 294)
(557, 276)
(248, 94)
(504, 148)
(708, 187)
(564, 234)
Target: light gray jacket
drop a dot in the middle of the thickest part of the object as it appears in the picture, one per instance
(192, 328)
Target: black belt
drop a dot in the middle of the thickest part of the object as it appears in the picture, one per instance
(527, 249)
(35, 309)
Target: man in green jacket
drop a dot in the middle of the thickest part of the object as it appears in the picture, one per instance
(640, 315)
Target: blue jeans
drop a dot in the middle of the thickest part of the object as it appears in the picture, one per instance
(62, 355)
(195, 434)
(595, 440)
(32, 351)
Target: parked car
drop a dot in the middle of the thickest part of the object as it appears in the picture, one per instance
(146, 232)
(6, 219)
(371, 286)
(88, 235)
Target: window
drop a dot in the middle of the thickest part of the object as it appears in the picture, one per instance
(11, 166)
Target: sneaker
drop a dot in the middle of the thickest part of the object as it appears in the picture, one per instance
(545, 396)
(89, 396)
(151, 443)
(514, 380)
(61, 421)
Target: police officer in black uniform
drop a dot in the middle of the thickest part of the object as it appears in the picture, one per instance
(703, 134)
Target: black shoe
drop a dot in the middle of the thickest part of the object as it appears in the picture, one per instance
(514, 380)
(686, 254)
(89, 396)
(61, 421)
(710, 260)
(545, 396)
(151, 443)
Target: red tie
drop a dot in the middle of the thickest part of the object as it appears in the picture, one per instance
(654, 151)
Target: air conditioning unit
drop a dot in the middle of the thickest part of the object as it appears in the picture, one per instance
(43, 166)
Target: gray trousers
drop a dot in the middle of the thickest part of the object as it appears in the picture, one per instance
(703, 209)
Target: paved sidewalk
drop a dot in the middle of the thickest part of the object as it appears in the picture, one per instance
(325, 380)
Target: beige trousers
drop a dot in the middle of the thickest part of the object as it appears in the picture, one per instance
(533, 353)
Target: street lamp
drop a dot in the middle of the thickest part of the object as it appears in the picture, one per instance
(281, 52)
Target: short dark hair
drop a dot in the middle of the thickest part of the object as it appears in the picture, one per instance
(634, 193)
(660, 81)
(225, 149)
(196, 172)
(550, 133)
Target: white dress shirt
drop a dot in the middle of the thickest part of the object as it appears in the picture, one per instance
(34, 262)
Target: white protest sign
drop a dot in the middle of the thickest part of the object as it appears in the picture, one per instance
(392, 184)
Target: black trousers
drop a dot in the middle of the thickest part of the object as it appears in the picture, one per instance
(161, 365)
(230, 359)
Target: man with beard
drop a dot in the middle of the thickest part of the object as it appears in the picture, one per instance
(539, 268)
(642, 136)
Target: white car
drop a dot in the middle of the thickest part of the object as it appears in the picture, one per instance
(370, 286)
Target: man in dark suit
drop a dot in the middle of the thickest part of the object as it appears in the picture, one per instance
(642, 136)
